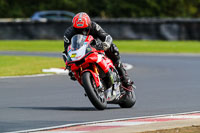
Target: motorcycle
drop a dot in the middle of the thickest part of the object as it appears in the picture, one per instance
(97, 74)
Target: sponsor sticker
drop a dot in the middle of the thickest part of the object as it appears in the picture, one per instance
(73, 55)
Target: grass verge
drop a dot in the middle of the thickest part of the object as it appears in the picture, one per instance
(32, 46)
(129, 46)
(21, 65)
(159, 46)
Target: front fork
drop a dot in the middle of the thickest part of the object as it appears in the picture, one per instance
(97, 74)
(95, 69)
(94, 73)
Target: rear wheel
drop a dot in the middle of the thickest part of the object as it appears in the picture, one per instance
(95, 95)
(128, 100)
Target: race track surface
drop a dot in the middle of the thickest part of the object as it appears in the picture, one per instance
(165, 84)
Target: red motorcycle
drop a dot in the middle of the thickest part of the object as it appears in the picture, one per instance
(97, 74)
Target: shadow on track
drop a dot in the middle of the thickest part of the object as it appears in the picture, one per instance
(65, 108)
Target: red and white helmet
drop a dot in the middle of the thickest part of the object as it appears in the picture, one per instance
(81, 21)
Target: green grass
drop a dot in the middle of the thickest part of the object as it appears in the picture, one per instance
(32, 46)
(22, 65)
(124, 46)
(159, 46)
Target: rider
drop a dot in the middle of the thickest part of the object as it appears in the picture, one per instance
(83, 25)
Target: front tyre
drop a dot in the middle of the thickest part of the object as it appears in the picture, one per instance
(95, 95)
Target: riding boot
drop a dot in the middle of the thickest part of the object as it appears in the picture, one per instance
(113, 54)
(127, 83)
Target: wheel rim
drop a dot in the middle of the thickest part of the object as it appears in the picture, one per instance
(99, 93)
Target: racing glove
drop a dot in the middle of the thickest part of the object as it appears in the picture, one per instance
(106, 45)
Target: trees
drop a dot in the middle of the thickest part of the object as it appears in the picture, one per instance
(153, 8)
(104, 8)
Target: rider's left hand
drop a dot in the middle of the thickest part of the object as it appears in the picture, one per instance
(105, 45)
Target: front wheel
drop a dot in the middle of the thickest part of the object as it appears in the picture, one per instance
(95, 95)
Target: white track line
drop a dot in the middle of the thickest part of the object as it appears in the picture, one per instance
(103, 121)
(121, 123)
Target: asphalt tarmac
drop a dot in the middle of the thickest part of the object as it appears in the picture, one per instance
(165, 84)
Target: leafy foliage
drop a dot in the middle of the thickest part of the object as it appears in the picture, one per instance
(104, 8)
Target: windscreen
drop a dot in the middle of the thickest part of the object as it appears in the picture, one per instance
(77, 42)
(79, 48)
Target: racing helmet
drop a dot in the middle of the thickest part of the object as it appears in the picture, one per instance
(81, 22)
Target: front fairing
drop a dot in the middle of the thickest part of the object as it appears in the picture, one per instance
(79, 48)
(80, 54)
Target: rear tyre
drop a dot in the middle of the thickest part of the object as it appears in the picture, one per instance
(95, 95)
(128, 100)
